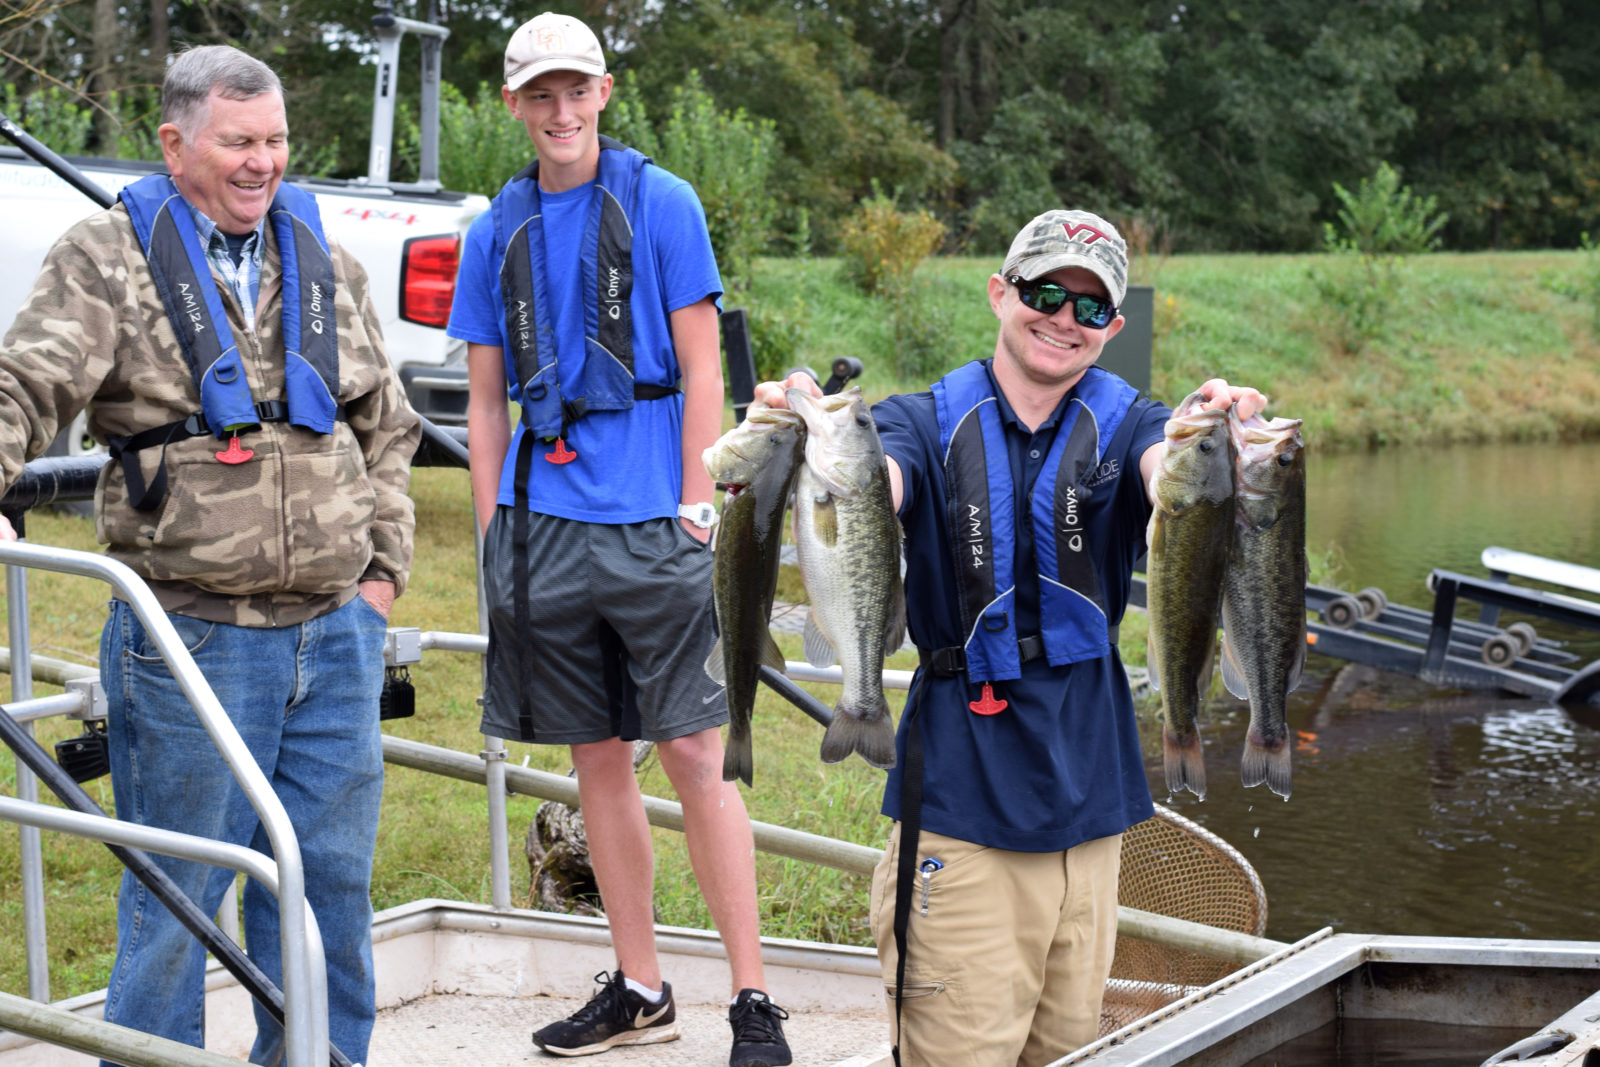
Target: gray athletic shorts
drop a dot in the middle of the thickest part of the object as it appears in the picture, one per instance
(620, 624)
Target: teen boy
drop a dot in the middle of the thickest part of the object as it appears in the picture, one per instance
(589, 292)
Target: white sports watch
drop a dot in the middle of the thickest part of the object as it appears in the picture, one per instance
(702, 514)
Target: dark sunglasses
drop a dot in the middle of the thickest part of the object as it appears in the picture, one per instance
(1048, 298)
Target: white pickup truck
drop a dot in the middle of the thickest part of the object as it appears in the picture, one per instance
(407, 236)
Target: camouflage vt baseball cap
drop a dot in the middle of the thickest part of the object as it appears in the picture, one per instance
(549, 42)
(1060, 239)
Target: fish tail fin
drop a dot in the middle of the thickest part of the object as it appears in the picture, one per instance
(1267, 761)
(737, 759)
(1185, 763)
(871, 736)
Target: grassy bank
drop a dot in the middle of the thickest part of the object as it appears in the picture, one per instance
(1475, 348)
(1485, 347)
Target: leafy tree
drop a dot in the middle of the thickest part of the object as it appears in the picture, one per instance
(805, 76)
(1073, 131)
(728, 157)
(1265, 100)
(1383, 217)
(1507, 133)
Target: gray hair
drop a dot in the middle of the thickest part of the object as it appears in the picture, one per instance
(197, 72)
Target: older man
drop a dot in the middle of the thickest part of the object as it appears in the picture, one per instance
(230, 357)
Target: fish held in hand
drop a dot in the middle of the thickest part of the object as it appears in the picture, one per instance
(1188, 541)
(757, 461)
(848, 544)
(1264, 592)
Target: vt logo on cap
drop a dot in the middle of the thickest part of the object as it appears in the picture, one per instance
(1075, 229)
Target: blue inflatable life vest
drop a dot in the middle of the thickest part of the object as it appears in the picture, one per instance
(982, 517)
(166, 231)
(552, 399)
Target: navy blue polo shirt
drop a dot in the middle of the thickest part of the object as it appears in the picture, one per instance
(1061, 765)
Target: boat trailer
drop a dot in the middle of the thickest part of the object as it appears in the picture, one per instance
(1441, 649)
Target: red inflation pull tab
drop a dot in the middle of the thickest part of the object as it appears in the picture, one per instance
(988, 705)
(234, 454)
(561, 454)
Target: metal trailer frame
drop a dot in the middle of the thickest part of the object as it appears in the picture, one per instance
(1442, 649)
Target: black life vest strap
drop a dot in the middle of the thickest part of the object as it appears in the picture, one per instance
(523, 628)
(573, 410)
(126, 449)
(906, 861)
(952, 662)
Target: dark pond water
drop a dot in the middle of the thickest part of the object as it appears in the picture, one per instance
(1418, 810)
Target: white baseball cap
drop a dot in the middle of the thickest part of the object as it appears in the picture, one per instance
(549, 42)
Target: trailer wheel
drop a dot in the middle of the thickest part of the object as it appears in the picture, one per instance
(1524, 635)
(1500, 650)
(1372, 602)
(1342, 613)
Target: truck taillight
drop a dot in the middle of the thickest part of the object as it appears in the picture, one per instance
(428, 279)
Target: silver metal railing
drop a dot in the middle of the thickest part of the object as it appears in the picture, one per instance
(304, 970)
(777, 840)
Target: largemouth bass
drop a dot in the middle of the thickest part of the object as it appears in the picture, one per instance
(757, 460)
(1264, 593)
(848, 543)
(1188, 541)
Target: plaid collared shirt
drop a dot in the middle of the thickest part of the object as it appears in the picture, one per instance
(244, 279)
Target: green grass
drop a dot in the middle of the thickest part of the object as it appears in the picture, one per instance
(1473, 347)
(1480, 347)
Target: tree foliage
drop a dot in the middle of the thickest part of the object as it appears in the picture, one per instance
(1383, 217)
(1232, 121)
(728, 158)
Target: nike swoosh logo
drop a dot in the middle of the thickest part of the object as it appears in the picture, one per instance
(641, 1020)
(709, 699)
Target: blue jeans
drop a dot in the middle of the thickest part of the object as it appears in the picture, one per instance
(305, 700)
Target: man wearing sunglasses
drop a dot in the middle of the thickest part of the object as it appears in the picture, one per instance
(1020, 482)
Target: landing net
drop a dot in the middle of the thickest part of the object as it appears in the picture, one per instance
(1174, 866)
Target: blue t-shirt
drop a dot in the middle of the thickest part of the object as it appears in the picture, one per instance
(629, 466)
(1061, 765)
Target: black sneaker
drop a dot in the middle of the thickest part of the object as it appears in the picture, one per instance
(616, 1016)
(757, 1031)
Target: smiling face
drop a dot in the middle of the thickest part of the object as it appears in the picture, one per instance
(1036, 351)
(561, 112)
(231, 167)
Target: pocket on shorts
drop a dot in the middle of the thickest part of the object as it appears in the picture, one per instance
(914, 990)
(686, 539)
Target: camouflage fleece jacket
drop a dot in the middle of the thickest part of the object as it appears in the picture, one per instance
(275, 541)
